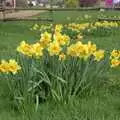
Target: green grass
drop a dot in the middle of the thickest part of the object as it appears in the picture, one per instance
(61, 16)
(103, 106)
(11, 34)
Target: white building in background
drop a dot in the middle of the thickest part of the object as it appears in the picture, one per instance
(45, 3)
(32, 2)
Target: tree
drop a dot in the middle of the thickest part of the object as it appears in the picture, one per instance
(71, 3)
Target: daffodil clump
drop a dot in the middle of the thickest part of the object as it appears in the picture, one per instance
(115, 58)
(41, 28)
(49, 27)
(30, 50)
(78, 27)
(59, 28)
(10, 66)
(60, 45)
(106, 24)
(85, 51)
(75, 30)
(54, 46)
(64, 65)
(98, 28)
(58, 67)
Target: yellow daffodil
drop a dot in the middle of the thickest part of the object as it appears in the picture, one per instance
(13, 67)
(54, 48)
(91, 48)
(45, 39)
(115, 62)
(115, 58)
(58, 28)
(71, 51)
(79, 37)
(25, 49)
(35, 27)
(37, 49)
(62, 39)
(4, 66)
(115, 54)
(98, 55)
(62, 57)
(81, 50)
(9, 67)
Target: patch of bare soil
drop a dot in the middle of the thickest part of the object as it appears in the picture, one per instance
(21, 14)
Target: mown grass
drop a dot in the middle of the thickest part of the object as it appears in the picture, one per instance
(61, 16)
(104, 105)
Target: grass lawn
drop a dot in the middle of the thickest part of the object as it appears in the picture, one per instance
(105, 105)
